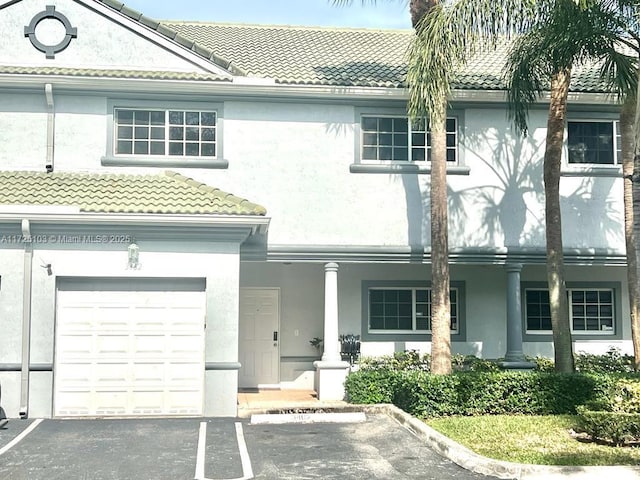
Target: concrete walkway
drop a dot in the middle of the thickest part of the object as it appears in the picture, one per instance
(271, 401)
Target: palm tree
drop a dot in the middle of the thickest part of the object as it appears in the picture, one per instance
(631, 191)
(566, 34)
(446, 37)
(440, 278)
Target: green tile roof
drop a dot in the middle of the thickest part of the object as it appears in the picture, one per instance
(168, 193)
(345, 57)
(113, 73)
(305, 56)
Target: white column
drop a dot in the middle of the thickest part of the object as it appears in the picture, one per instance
(331, 371)
(331, 346)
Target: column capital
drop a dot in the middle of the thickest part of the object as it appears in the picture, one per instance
(513, 267)
(331, 267)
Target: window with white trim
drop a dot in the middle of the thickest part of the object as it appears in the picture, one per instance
(593, 142)
(591, 310)
(405, 310)
(398, 139)
(166, 133)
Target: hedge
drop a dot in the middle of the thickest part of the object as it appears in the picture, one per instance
(478, 393)
(615, 427)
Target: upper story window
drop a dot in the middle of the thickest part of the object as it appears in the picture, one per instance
(164, 134)
(405, 310)
(397, 139)
(180, 133)
(591, 310)
(593, 142)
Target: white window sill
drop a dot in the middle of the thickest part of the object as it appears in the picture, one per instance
(165, 162)
(402, 167)
(591, 171)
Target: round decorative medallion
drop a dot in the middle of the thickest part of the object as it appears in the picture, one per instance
(50, 50)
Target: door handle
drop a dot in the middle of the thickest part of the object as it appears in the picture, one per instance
(275, 336)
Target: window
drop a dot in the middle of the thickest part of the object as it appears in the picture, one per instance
(173, 133)
(594, 142)
(590, 310)
(164, 134)
(397, 139)
(405, 309)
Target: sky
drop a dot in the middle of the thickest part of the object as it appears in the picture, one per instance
(381, 14)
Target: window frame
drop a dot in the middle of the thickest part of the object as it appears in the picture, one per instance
(362, 165)
(166, 160)
(368, 334)
(593, 169)
(546, 335)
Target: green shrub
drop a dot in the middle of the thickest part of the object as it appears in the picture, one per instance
(464, 363)
(476, 393)
(611, 362)
(371, 386)
(426, 395)
(617, 394)
(616, 427)
(542, 364)
(407, 360)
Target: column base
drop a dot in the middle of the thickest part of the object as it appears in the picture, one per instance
(517, 365)
(329, 379)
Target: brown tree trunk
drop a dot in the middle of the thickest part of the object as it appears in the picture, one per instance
(440, 304)
(419, 8)
(630, 165)
(563, 350)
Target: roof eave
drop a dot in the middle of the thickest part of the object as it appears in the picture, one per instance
(271, 90)
(258, 224)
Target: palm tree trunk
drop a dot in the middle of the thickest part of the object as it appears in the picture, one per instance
(555, 259)
(418, 9)
(440, 304)
(627, 119)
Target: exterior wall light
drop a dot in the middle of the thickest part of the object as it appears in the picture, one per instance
(133, 252)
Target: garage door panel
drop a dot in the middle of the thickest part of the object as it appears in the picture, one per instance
(148, 373)
(111, 345)
(112, 373)
(147, 344)
(129, 353)
(76, 345)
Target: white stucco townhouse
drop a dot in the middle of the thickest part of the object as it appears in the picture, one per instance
(132, 284)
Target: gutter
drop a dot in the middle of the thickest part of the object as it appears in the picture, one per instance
(51, 122)
(240, 89)
(26, 319)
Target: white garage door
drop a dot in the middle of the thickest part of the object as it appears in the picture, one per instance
(129, 347)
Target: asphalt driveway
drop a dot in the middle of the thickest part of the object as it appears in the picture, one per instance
(176, 449)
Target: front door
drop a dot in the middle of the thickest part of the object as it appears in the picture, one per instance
(259, 349)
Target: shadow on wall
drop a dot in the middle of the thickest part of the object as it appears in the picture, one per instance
(510, 202)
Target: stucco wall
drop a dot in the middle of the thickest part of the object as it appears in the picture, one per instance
(485, 308)
(294, 159)
(218, 263)
(98, 39)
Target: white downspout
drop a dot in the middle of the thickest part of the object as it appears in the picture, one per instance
(51, 122)
(26, 319)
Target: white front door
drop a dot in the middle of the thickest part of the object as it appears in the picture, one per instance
(135, 348)
(259, 349)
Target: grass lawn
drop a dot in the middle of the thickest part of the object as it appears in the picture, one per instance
(543, 440)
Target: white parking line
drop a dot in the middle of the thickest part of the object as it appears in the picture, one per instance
(25, 432)
(247, 470)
